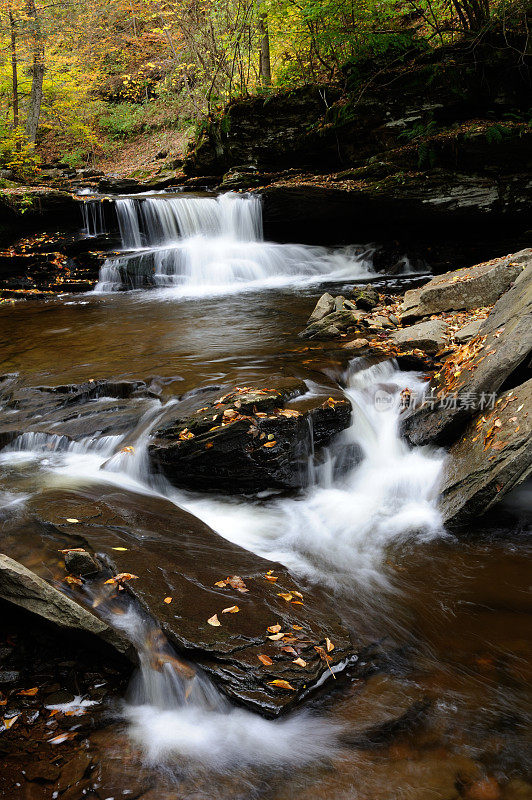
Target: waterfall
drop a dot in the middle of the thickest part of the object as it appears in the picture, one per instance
(211, 245)
(93, 217)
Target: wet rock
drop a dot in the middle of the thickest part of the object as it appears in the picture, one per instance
(22, 587)
(497, 356)
(468, 331)
(473, 287)
(42, 771)
(366, 298)
(428, 336)
(176, 555)
(9, 676)
(245, 441)
(323, 307)
(81, 563)
(493, 456)
(483, 789)
(120, 185)
(334, 323)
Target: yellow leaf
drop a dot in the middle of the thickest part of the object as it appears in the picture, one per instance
(231, 610)
(329, 645)
(214, 621)
(221, 584)
(73, 581)
(167, 600)
(297, 594)
(299, 662)
(11, 721)
(271, 578)
(265, 660)
(285, 595)
(276, 637)
(72, 520)
(121, 549)
(270, 444)
(282, 685)
(274, 628)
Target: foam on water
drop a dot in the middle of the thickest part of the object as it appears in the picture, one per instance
(191, 246)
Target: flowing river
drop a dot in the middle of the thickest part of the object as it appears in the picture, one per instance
(196, 298)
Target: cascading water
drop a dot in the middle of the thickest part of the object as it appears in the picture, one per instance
(210, 245)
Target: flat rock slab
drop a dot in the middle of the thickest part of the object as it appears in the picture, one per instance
(22, 587)
(428, 336)
(493, 456)
(176, 555)
(471, 287)
(246, 440)
(475, 373)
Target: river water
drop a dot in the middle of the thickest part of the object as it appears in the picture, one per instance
(449, 616)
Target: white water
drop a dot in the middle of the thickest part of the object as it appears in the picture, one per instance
(213, 245)
(339, 532)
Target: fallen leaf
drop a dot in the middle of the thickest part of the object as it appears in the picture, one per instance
(270, 444)
(299, 662)
(276, 637)
(237, 583)
(265, 660)
(73, 550)
(72, 520)
(274, 628)
(127, 449)
(214, 621)
(167, 600)
(231, 610)
(289, 650)
(297, 627)
(74, 581)
(9, 722)
(29, 692)
(208, 445)
(329, 645)
(120, 549)
(285, 595)
(122, 576)
(297, 603)
(296, 594)
(282, 685)
(271, 578)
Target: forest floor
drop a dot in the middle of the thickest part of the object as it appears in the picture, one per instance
(142, 156)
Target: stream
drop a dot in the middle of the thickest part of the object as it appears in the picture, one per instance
(196, 298)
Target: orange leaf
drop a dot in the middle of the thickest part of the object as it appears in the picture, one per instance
(285, 595)
(289, 650)
(231, 610)
(265, 660)
(29, 692)
(274, 628)
(282, 685)
(167, 600)
(271, 578)
(11, 721)
(270, 444)
(74, 581)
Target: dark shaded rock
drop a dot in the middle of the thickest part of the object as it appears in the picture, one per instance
(473, 287)
(245, 441)
(36, 209)
(366, 298)
(81, 563)
(493, 456)
(428, 336)
(176, 555)
(120, 185)
(501, 350)
(20, 586)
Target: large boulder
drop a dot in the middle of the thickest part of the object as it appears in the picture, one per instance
(493, 455)
(245, 441)
(477, 286)
(23, 588)
(181, 567)
(470, 376)
(428, 336)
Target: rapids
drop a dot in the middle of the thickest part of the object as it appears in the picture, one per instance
(365, 529)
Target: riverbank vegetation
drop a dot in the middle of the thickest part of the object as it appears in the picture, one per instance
(84, 84)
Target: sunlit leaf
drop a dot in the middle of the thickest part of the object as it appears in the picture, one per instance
(214, 621)
(231, 610)
(282, 685)
(265, 660)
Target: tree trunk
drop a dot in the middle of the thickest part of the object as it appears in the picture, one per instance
(265, 68)
(14, 69)
(37, 72)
